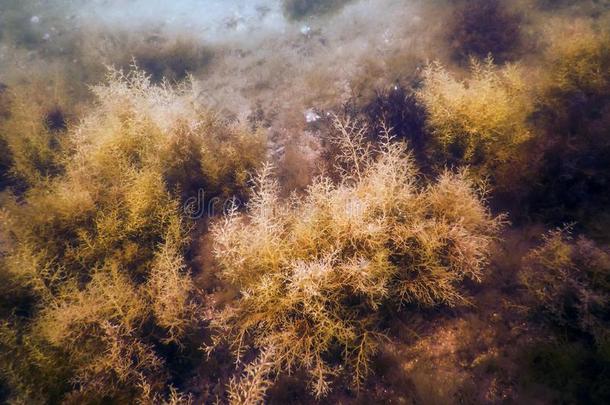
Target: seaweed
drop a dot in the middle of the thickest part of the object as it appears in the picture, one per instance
(483, 27)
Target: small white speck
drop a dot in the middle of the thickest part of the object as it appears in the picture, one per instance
(311, 116)
(35, 19)
(46, 36)
(306, 30)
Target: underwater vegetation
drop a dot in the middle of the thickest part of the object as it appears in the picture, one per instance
(567, 278)
(481, 121)
(305, 202)
(398, 108)
(170, 60)
(514, 124)
(318, 276)
(100, 244)
(573, 122)
(33, 135)
(483, 27)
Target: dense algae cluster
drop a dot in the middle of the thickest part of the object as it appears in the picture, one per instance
(305, 202)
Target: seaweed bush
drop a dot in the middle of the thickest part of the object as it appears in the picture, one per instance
(398, 107)
(569, 281)
(101, 246)
(573, 148)
(481, 121)
(5, 164)
(192, 146)
(163, 56)
(568, 284)
(482, 27)
(33, 137)
(316, 272)
(169, 59)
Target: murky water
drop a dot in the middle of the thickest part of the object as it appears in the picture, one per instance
(260, 51)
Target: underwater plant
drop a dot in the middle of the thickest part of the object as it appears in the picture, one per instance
(171, 60)
(5, 154)
(572, 150)
(569, 280)
(367, 262)
(321, 268)
(482, 27)
(399, 108)
(567, 284)
(33, 135)
(101, 247)
(481, 121)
